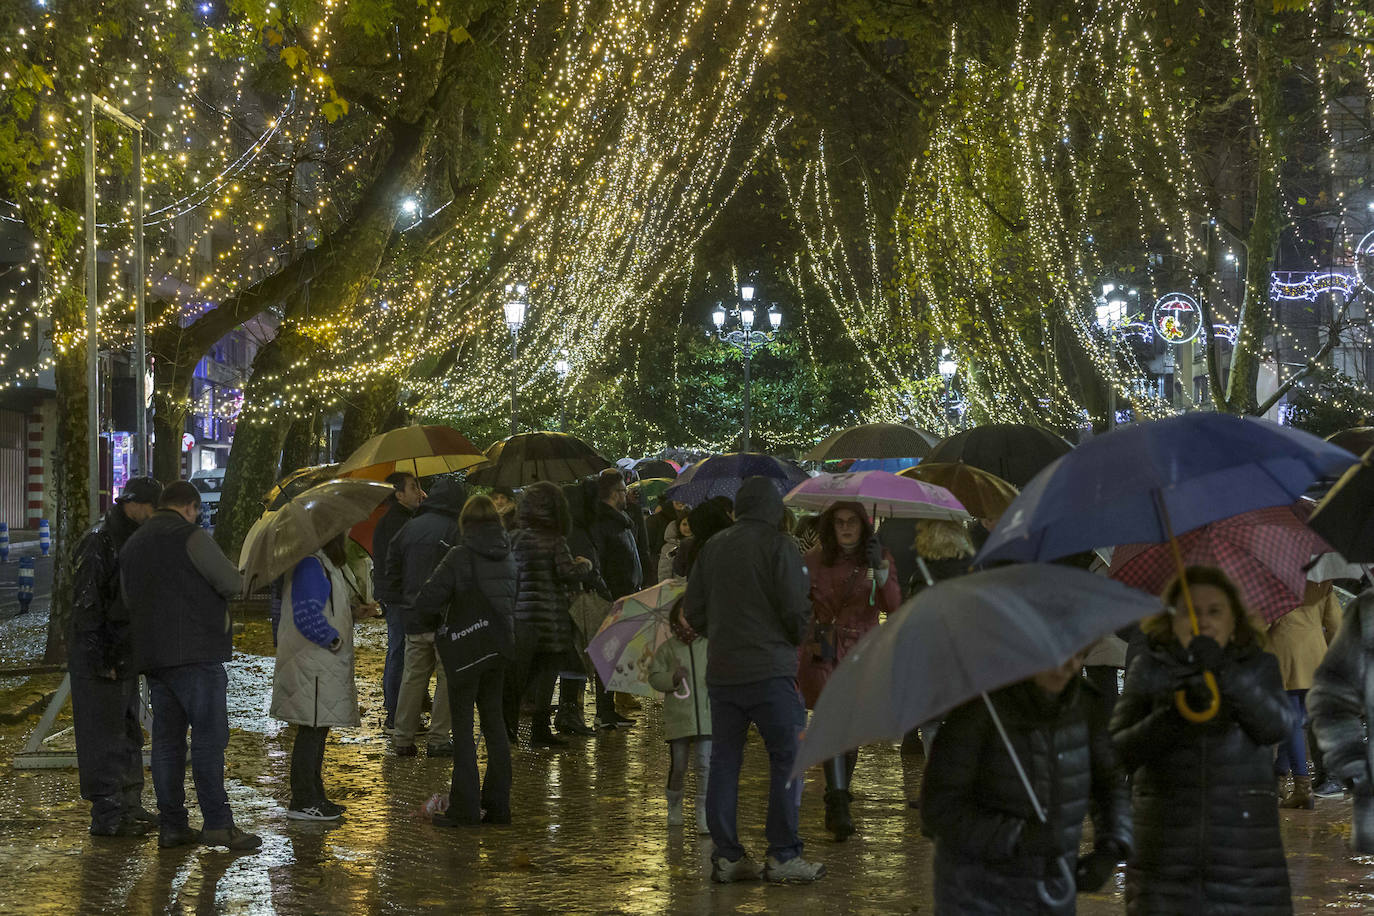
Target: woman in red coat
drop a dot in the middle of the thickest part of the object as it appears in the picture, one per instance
(852, 580)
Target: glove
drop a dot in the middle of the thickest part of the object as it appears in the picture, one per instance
(873, 552)
(1095, 868)
(1205, 651)
(1196, 691)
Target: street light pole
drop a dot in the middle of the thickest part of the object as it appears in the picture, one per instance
(745, 339)
(515, 308)
(948, 369)
(561, 369)
(1111, 313)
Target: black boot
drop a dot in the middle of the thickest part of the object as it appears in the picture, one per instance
(569, 720)
(837, 819)
(540, 733)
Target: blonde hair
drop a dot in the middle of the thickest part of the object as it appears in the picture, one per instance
(938, 539)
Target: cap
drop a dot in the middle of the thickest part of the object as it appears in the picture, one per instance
(140, 490)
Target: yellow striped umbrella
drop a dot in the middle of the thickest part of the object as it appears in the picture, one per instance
(419, 450)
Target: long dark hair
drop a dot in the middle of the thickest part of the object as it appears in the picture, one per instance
(830, 546)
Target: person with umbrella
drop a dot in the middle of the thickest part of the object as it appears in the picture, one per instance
(853, 580)
(616, 549)
(992, 853)
(401, 506)
(313, 684)
(1207, 827)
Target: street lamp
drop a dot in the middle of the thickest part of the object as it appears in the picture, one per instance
(948, 369)
(1111, 315)
(515, 318)
(746, 340)
(561, 368)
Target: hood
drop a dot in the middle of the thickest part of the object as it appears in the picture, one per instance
(758, 500)
(446, 497)
(488, 540)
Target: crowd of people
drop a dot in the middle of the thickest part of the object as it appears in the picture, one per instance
(481, 593)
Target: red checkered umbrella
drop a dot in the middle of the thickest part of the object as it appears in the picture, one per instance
(1265, 553)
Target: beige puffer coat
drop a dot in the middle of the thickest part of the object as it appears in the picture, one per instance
(312, 685)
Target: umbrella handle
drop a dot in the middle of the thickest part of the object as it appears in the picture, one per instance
(686, 691)
(1202, 715)
(1070, 887)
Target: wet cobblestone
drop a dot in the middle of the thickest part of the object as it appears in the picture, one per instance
(589, 833)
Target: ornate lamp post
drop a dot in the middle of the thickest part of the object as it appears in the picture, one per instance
(1111, 315)
(561, 368)
(948, 369)
(515, 319)
(745, 339)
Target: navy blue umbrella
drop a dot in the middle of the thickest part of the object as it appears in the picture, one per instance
(722, 475)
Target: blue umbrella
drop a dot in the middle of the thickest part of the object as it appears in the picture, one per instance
(891, 465)
(722, 475)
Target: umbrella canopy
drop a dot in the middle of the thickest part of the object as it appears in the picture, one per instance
(891, 465)
(1196, 468)
(958, 639)
(657, 468)
(1357, 439)
(296, 483)
(1345, 516)
(1265, 553)
(650, 488)
(527, 458)
(984, 495)
(723, 474)
(873, 440)
(623, 649)
(281, 539)
(419, 450)
(1014, 452)
(886, 495)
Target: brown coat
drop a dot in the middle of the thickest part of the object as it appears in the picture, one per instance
(1300, 637)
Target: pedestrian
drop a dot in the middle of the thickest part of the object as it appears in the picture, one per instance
(657, 524)
(993, 854)
(506, 505)
(1206, 825)
(570, 719)
(402, 504)
(546, 570)
(674, 536)
(942, 550)
(853, 580)
(475, 585)
(748, 595)
(414, 553)
(617, 555)
(1298, 640)
(313, 684)
(678, 670)
(702, 523)
(1341, 705)
(175, 582)
(105, 701)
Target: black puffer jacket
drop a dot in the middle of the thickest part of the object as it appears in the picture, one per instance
(482, 560)
(617, 551)
(545, 574)
(974, 805)
(418, 547)
(1206, 817)
(98, 640)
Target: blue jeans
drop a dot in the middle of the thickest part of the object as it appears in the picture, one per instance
(193, 696)
(774, 706)
(395, 660)
(1292, 751)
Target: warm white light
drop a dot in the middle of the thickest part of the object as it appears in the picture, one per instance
(948, 367)
(410, 206)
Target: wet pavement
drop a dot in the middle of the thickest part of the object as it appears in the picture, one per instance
(589, 832)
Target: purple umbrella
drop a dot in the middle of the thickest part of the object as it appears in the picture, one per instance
(723, 474)
(886, 494)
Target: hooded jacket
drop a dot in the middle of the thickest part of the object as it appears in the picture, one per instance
(483, 561)
(419, 546)
(98, 639)
(689, 716)
(748, 593)
(990, 847)
(1206, 815)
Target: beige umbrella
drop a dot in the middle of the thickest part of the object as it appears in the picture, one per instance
(420, 450)
(282, 538)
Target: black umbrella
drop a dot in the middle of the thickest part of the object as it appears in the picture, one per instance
(1014, 452)
(527, 458)
(653, 468)
(1357, 439)
(1345, 516)
(874, 440)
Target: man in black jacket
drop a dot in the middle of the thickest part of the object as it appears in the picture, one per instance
(175, 581)
(748, 594)
(616, 549)
(402, 505)
(105, 700)
(413, 555)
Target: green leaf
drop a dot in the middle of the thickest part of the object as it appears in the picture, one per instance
(459, 35)
(294, 56)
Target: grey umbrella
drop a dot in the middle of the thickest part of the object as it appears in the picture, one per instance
(959, 640)
(874, 440)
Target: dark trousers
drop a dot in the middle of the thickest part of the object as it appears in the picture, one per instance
(307, 764)
(194, 697)
(109, 746)
(481, 689)
(1104, 678)
(774, 706)
(394, 666)
(533, 670)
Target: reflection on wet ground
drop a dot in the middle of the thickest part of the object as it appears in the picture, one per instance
(589, 833)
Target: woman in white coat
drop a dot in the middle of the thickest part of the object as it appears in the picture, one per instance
(313, 686)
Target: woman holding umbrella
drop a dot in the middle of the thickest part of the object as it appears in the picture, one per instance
(1207, 826)
(852, 580)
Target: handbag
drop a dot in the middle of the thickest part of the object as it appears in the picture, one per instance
(588, 611)
(479, 636)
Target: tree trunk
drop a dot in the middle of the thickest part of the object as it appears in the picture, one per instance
(366, 414)
(300, 448)
(70, 464)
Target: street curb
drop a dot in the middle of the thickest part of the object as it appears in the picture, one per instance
(15, 716)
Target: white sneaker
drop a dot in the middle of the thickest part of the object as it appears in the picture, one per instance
(312, 813)
(793, 871)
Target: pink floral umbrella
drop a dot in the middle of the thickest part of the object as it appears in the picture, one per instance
(886, 495)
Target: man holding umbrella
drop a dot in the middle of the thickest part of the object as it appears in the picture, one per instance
(401, 506)
(617, 551)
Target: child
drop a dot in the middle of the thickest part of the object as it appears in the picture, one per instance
(679, 670)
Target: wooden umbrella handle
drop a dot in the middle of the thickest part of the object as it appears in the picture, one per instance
(1180, 698)
(1199, 715)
